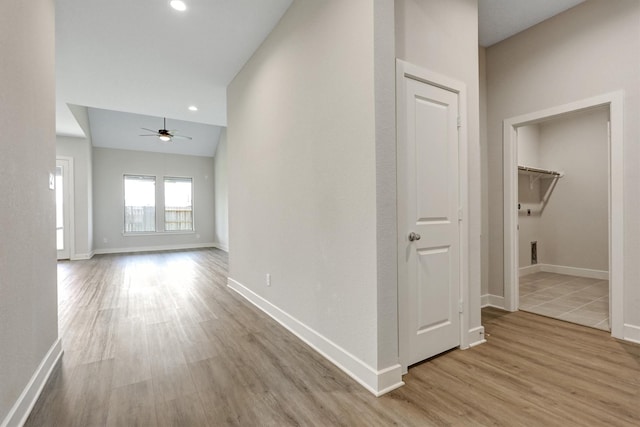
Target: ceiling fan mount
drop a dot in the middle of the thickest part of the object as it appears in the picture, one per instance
(164, 134)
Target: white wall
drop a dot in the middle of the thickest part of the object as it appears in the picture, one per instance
(303, 184)
(110, 165)
(587, 51)
(312, 168)
(221, 192)
(484, 173)
(384, 71)
(81, 114)
(80, 150)
(442, 36)
(28, 294)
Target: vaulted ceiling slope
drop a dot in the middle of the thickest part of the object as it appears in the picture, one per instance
(114, 129)
(144, 57)
(501, 19)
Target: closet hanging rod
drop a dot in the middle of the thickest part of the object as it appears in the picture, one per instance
(536, 170)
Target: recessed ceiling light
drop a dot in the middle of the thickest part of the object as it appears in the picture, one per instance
(193, 108)
(178, 5)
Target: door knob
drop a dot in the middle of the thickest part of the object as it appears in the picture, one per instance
(413, 236)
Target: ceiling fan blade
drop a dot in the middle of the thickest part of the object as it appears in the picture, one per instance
(150, 130)
(155, 134)
(182, 137)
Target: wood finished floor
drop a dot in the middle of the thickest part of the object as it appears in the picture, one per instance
(159, 340)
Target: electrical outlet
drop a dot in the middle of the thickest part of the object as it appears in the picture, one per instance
(268, 279)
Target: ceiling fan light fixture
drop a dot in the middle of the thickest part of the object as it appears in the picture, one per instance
(178, 5)
(165, 138)
(193, 108)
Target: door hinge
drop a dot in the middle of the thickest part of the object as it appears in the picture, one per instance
(460, 214)
(459, 122)
(460, 307)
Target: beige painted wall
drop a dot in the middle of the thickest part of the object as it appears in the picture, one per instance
(28, 293)
(587, 51)
(110, 165)
(428, 33)
(572, 229)
(574, 224)
(221, 192)
(529, 195)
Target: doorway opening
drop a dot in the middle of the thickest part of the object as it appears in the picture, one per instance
(563, 241)
(432, 193)
(64, 207)
(563, 212)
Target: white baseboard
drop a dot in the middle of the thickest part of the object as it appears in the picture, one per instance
(221, 247)
(530, 269)
(18, 414)
(78, 257)
(632, 333)
(476, 336)
(377, 382)
(561, 269)
(574, 271)
(154, 248)
(489, 300)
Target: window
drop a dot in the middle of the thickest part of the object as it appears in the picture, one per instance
(139, 203)
(178, 206)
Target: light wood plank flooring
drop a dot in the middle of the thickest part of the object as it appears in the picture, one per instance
(574, 299)
(159, 340)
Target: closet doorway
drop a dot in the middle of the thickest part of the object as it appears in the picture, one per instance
(563, 213)
(563, 217)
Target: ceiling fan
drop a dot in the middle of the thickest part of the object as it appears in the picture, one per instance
(164, 134)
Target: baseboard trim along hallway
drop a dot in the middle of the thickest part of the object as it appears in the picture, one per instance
(22, 408)
(377, 382)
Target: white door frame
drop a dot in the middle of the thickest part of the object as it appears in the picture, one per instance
(408, 70)
(614, 101)
(69, 185)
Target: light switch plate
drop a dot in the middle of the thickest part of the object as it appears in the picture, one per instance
(52, 181)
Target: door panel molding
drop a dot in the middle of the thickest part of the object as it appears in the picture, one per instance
(408, 72)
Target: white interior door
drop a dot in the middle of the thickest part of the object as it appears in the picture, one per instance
(428, 221)
(62, 209)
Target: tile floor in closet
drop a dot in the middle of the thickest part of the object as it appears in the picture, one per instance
(575, 299)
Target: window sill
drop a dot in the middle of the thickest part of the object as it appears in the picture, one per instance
(157, 233)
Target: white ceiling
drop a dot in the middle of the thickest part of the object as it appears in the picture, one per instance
(501, 19)
(144, 58)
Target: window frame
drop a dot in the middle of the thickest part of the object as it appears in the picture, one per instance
(124, 204)
(164, 203)
(160, 204)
